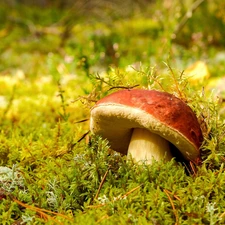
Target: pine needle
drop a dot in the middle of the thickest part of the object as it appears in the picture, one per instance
(102, 181)
(43, 212)
(173, 207)
(117, 198)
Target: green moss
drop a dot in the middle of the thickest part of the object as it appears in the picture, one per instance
(52, 171)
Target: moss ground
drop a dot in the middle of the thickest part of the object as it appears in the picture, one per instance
(56, 62)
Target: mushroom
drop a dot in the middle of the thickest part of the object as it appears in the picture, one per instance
(143, 123)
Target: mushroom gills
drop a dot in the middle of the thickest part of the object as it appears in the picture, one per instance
(146, 146)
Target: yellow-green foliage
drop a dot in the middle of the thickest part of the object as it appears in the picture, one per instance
(56, 62)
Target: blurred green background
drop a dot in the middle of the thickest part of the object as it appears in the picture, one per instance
(99, 33)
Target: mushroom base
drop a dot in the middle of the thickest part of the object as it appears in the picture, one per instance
(146, 147)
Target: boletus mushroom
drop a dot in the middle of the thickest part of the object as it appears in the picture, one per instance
(144, 124)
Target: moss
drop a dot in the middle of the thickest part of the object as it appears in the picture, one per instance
(52, 171)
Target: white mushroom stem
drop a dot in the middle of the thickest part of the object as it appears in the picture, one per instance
(146, 146)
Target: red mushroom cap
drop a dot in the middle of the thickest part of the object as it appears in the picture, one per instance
(115, 116)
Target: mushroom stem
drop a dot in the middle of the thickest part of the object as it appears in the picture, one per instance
(146, 146)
